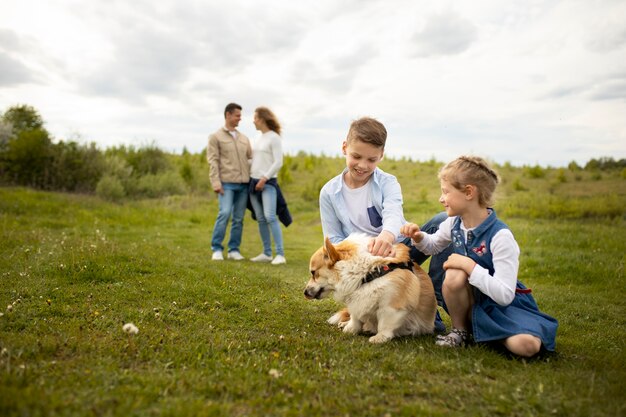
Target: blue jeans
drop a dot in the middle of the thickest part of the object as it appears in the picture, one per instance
(233, 201)
(435, 269)
(265, 212)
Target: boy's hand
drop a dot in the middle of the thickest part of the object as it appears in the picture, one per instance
(382, 245)
(413, 231)
(456, 261)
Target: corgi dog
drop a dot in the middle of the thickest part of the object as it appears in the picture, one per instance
(388, 297)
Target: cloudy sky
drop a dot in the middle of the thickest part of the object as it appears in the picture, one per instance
(526, 82)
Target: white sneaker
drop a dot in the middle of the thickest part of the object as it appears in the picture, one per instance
(279, 259)
(262, 258)
(235, 256)
(217, 256)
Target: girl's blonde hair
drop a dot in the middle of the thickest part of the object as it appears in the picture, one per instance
(269, 118)
(472, 170)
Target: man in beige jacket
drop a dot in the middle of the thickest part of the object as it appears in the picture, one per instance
(229, 154)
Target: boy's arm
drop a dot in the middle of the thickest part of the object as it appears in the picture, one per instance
(331, 226)
(393, 215)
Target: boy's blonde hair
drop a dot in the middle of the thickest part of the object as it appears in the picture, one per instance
(269, 118)
(368, 130)
(472, 170)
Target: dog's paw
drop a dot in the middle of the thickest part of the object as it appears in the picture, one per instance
(340, 318)
(335, 319)
(380, 338)
(351, 327)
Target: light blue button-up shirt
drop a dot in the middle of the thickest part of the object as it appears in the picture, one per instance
(386, 197)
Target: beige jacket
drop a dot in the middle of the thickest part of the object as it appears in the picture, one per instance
(229, 159)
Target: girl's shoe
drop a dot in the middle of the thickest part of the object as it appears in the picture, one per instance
(279, 259)
(262, 258)
(456, 338)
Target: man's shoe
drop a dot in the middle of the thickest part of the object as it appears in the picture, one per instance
(279, 259)
(235, 256)
(217, 256)
(262, 258)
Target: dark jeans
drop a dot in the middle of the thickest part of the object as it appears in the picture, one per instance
(435, 270)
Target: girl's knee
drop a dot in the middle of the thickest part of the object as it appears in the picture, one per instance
(455, 280)
(525, 345)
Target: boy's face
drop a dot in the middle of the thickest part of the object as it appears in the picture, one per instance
(361, 159)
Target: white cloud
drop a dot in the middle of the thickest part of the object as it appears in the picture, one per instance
(534, 82)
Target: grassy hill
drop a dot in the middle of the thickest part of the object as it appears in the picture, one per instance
(238, 339)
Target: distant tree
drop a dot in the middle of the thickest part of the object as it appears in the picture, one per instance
(573, 166)
(23, 117)
(604, 163)
(6, 133)
(27, 159)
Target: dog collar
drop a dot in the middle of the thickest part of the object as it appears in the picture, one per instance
(381, 270)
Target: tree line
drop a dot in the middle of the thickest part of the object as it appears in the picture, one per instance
(30, 157)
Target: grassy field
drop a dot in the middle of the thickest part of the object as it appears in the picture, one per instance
(238, 339)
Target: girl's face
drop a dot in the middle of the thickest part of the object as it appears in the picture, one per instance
(454, 201)
(258, 122)
(361, 160)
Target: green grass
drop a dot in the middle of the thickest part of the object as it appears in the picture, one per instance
(238, 339)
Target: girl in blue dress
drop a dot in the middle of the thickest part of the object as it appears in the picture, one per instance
(481, 291)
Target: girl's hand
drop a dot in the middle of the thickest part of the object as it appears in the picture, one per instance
(260, 184)
(412, 230)
(456, 261)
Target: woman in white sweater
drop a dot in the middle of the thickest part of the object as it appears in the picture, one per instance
(267, 159)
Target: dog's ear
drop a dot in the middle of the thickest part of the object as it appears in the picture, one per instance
(331, 252)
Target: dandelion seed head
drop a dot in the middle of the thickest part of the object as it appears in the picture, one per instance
(130, 328)
(275, 373)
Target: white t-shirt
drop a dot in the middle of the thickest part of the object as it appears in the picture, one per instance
(357, 201)
(267, 155)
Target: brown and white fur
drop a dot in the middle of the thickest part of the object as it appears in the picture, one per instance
(400, 303)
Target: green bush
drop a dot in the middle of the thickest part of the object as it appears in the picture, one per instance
(534, 172)
(76, 167)
(311, 191)
(110, 188)
(161, 185)
(518, 186)
(27, 159)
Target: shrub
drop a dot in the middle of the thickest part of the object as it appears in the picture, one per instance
(76, 167)
(26, 159)
(534, 172)
(284, 175)
(186, 173)
(145, 160)
(518, 186)
(161, 185)
(110, 188)
(311, 192)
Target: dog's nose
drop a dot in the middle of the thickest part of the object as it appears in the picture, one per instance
(306, 293)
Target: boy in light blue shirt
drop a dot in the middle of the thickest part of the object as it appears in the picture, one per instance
(365, 199)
